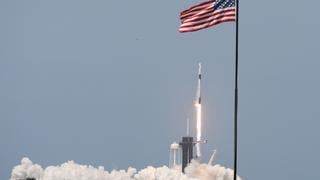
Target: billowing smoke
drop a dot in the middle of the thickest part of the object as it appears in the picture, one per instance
(208, 172)
(72, 171)
(26, 169)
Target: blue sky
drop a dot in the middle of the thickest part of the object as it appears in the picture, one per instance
(112, 83)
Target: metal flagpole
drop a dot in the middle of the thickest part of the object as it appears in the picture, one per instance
(236, 95)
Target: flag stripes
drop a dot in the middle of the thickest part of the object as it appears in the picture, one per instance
(207, 14)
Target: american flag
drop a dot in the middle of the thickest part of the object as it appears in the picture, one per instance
(207, 14)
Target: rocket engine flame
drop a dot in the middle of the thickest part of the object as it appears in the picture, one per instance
(198, 111)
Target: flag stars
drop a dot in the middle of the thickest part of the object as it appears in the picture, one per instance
(220, 4)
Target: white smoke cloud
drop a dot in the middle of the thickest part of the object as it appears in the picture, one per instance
(208, 172)
(26, 169)
(73, 171)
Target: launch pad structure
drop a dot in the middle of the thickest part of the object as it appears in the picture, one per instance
(186, 144)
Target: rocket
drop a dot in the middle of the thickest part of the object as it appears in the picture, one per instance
(198, 98)
(198, 110)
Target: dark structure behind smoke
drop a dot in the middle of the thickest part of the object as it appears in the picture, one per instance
(187, 151)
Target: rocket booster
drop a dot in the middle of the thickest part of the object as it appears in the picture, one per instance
(199, 85)
(198, 110)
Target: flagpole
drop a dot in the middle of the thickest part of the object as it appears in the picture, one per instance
(236, 95)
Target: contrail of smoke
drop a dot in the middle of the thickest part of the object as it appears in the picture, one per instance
(72, 171)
